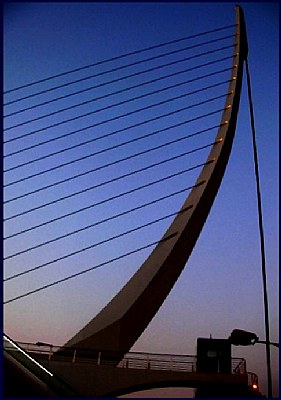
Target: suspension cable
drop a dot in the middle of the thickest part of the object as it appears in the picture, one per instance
(120, 145)
(132, 99)
(95, 187)
(103, 201)
(67, 134)
(115, 179)
(89, 113)
(92, 268)
(134, 229)
(130, 65)
(63, 150)
(113, 132)
(117, 57)
(103, 96)
(125, 66)
(78, 145)
(90, 155)
(74, 232)
(120, 102)
(73, 253)
(143, 72)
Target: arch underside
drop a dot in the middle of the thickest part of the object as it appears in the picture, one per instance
(183, 384)
(122, 321)
(91, 380)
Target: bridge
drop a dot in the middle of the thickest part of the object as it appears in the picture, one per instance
(78, 373)
(107, 367)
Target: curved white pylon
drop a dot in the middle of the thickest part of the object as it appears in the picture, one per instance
(123, 320)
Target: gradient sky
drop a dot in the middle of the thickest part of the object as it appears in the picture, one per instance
(221, 287)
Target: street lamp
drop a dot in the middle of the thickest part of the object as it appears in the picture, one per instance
(240, 337)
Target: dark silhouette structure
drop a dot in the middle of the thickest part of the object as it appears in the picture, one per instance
(117, 327)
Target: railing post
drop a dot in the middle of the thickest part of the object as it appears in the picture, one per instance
(99, 357)
(194, 365)
(74, 356)
(171, 363)
(50, 352)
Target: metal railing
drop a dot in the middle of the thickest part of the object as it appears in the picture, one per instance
(253, 380)
(136, 360)
(166, 362)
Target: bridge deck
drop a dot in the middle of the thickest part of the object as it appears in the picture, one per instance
(93, 380)
(96, 374)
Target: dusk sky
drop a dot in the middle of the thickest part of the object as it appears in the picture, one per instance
(220, 288)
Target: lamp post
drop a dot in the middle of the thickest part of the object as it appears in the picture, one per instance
(240, 337)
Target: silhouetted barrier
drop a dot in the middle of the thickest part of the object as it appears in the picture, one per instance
(136, 360)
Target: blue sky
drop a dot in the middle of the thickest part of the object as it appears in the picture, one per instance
(221, 287)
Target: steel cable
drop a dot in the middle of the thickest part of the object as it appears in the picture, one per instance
(88, 226)
(90, 155)
(87, 189)
(86, 114)
(120, 145)
(130, 65)
(118, 57)
(65, 135)
(105, 95)
(131, 210)
(115, 104)
(92, 268)
(105, 108)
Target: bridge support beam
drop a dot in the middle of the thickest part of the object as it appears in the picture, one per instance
(91, 380)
